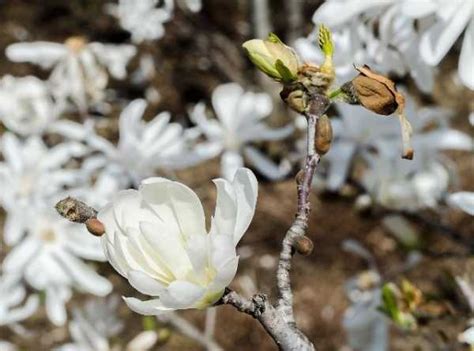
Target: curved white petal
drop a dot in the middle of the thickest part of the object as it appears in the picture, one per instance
(182, 294)
(146, 285)
(464, 200)
(43, 53)
(466, 66)
(146, 308)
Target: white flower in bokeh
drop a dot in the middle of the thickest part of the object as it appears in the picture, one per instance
(80, 70)
(92, 326)
(13, 306)
(143, 148)
(452, 19)
(359, 132)
(26, 105)
(144, 19)
(439, 25)
(463, 200)
(50, 257)
(239, 123)
(31, 176)
(7, 346)
(156, 237)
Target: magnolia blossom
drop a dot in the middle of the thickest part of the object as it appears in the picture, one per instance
(50, 260)
(156, 237)
(13, 306)
(93, 326)
(239, 122)
(80, 70)
(26, 105)
(144, 147)
(144, 19)
(32, 176)
(439, 25)
(463, 200)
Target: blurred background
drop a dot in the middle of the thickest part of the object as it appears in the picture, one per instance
(97, 95)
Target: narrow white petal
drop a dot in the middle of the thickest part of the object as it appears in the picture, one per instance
(145, 284)
(146, 308)
(182, 294)
(466, 65)
(464, 200)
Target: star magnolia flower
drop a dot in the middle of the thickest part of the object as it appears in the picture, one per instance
(157, 239)
(31, 176)
(12, 294)
(239, 122)
(358, 131)
(143, 148)
(49, 259)
(26, 105)
(441, 23)
(143, 19)
(80, 70)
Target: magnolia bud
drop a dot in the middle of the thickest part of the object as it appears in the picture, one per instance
(323, 136)
(273, 58)
(378, 94)
(95, 227)
(303, 245)
(295, 97)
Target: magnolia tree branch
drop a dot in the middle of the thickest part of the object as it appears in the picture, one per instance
(278, 320)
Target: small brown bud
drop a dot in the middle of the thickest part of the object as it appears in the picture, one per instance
(75, 210)
(299, 177)
(304, 246)
(323, 136)
(95, 227)
(295, 97)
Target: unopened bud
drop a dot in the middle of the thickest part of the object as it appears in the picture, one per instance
(273, 58)
(304, 246)
(294, 95)
(95, 227)
(323, 136)
(75, 210)
(299, 177)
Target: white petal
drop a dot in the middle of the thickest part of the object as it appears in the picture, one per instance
(436, 41)
(143, 341)
(225, 274)
(464, 200)
(230, 162)
(225, 100)
(43, 53)
(145, 284)
(55, 306)
(146, 308)
(264, 165)
(466, 66)
(174, 201)
(182, 294)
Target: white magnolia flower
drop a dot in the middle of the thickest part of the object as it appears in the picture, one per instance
(92, 326)
(156, 237)
(440, 23)
(452, 18)
(239, 123)
(144, 19)
(463, 200)
(13, 306)
(50, 260)
(143, 148)
(358, 132)
(26, 105)
(31, 176)
(80, 70)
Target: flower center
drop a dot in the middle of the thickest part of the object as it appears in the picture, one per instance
(76, 43)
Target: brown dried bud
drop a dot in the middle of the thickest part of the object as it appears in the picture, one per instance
(303, 245)
(378, 94)
(95, 227)
(75, 210)
(323, 136)
(299, 177)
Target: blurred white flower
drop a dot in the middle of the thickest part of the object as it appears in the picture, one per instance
(13, 306)
(452, 18)
(49, 259)
(359, 132)
(80, 70)
(463, 200)
(191, 5)
(467, 336)
(32, 176)
(143, 148)
(156, 237)
(439, 25)
(239, 123)
(144, 19)
(7, 346)
(93, 326)
(26, 105)
(394, 49)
